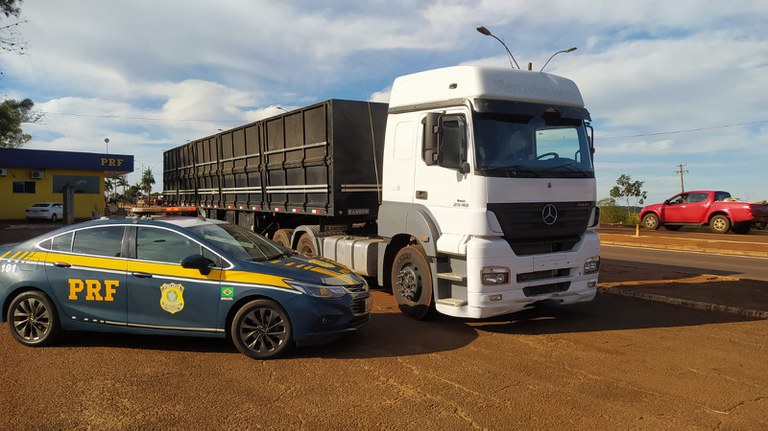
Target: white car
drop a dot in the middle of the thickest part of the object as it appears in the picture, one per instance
(52, 211)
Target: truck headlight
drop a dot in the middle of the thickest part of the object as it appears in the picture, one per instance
(592, 265)
(318, 290)
(494, 275)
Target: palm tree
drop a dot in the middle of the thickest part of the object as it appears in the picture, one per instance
(107, 186)
(147, 179)
(122, 181)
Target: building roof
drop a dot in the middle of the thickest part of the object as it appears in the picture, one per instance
(46, 159)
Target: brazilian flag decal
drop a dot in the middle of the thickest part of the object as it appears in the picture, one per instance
(227, 293)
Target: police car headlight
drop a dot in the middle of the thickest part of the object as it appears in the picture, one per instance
(318, 290)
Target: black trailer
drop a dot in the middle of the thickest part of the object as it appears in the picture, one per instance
(320, 164)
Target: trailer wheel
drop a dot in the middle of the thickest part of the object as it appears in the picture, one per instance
(283, 237)
(720, 224)
(307, 245)
(412, 282)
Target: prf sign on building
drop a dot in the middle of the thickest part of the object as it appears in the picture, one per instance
(28, 177)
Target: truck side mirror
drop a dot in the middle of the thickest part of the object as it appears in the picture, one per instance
(431, 134)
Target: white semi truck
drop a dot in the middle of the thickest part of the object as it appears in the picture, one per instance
(471, 194)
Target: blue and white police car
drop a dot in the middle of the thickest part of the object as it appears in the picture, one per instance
(177, 276)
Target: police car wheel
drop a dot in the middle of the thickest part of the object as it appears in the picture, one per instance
(412, 282)
(261, 330)
(32, 319)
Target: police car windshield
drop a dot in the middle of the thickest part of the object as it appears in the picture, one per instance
(240, 242)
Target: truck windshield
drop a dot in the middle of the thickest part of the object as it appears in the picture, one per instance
(240, 242)
(514, 145)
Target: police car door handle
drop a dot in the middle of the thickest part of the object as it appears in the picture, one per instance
(61, 264)
(141, 274)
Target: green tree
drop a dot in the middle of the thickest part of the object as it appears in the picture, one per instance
(627, 189)
(147, 179)
(107, 186)
(12, 114)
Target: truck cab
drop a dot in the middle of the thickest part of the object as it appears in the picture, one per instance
(488, 193)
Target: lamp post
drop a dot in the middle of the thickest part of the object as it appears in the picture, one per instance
(567, 50)
(487, 32)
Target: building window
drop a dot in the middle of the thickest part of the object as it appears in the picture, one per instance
(81, 183)
(24, 187)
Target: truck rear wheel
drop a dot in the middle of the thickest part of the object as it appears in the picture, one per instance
(283, 237)
(720, 224)
(307, 245)
(412, 282)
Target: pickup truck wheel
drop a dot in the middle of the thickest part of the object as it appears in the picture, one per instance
(412, 282)
(720, 224)
(741, 228)
(307, 245)
(32, 319)
(650, 221)
(261, 330)
(283, 237)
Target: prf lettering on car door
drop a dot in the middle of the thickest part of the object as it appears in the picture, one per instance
(93, 289)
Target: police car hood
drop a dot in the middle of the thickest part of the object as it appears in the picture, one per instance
(316, 270)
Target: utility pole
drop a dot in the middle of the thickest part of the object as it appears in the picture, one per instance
(681, 171)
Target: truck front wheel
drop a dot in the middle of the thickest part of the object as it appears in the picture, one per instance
(720, 224)
(651, 221)
(412, 282)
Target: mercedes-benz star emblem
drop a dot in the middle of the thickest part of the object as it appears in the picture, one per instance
(549, 214)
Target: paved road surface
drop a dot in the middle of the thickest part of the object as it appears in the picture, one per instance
(753, 268)
(615, 363)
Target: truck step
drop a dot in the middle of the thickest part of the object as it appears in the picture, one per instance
(452, 276)
(453, 302)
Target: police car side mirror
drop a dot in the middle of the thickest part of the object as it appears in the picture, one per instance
(199, 262)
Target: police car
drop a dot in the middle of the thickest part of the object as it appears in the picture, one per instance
(177, 276)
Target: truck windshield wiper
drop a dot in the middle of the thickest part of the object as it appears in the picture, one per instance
(570, 166)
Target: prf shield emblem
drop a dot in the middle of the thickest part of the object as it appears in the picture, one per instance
(172, 297)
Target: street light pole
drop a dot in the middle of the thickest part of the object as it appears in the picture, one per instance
(567, 50)
(487, 32)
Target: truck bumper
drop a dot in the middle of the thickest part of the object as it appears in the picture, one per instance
(552, 279)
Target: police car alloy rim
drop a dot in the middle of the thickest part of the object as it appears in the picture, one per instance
(31, 319)
(263, 330)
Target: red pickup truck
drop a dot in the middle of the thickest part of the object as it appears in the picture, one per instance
(714, 208)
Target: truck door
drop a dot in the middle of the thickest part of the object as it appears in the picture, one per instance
(442, 180)
(162, 294)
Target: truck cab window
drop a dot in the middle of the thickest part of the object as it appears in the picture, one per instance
(452, 142)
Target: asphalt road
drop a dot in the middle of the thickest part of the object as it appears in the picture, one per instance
(753, 268)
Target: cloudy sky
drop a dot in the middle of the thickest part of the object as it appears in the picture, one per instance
(667, 82)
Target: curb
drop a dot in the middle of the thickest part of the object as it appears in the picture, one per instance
(698, 305)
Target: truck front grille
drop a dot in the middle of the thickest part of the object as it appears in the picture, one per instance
(528, 233)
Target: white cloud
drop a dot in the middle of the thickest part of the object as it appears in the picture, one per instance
(151, 75)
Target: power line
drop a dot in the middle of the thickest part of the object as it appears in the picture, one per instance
(124, 117)
(698, 129)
